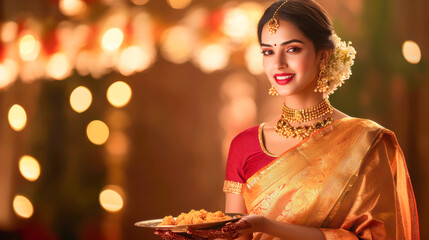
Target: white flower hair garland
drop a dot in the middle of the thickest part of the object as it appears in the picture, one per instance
(339, 65)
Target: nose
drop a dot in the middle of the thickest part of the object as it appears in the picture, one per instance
(280, 61)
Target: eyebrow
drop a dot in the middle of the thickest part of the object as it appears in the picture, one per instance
(283, 43)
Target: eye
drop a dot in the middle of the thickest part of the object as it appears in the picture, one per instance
(294, 50)
(267, 52)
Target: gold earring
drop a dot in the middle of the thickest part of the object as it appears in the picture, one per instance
(273, 91)
(322, 82)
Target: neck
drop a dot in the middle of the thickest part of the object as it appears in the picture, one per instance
(301, 102)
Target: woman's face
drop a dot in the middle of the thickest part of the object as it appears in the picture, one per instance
(290, 60)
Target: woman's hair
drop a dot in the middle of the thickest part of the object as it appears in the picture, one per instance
(308, 16)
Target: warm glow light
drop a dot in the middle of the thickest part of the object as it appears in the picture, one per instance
(22, 206)
(411, 52)
(17, 117)
(118, 143)
(213, 57)
(254, 59)
(112, 39)
(111, 199)
(29, 48)
(139, 2)
(179, 4)
(9, 31)
(29, 168)
(8, 72)
(58, 66)
(4, 80)
(173, 37)
(80, 99)
(236, 24)
(133, 59)
(119, 94)
(97, 132)
(72, 7)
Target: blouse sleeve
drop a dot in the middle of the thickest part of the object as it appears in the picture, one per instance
(234, 177)
(381, 203)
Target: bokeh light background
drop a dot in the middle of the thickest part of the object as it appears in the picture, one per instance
(116, 111)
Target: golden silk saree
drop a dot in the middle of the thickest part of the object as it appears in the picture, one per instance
(349, 179)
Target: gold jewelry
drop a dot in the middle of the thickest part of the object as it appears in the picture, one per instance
(273, 24)
(322, 82)
(283, 128)
(273, 91)
(307, 114)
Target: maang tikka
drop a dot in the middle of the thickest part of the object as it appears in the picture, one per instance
(273, 24)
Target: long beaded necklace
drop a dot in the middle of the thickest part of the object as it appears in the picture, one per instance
(283, 127)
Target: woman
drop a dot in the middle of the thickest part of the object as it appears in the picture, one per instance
(313, 173)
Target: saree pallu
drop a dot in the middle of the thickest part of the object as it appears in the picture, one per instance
(349, 179)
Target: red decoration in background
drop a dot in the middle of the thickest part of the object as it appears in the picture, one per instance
(50, 43)
(215, 19)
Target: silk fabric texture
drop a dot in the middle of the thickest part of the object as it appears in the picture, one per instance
(349, 179)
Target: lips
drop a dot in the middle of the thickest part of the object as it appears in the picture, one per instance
(283, 78)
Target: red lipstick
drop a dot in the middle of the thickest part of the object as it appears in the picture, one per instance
(283, 78)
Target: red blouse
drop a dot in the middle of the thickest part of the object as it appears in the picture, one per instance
(246, 155)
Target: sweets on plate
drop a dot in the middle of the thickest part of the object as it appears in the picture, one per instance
(195, 217)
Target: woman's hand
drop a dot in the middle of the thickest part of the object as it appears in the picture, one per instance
(169, 235)
(244, 226)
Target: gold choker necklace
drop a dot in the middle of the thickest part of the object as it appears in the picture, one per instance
(283, 128)
(308, 114)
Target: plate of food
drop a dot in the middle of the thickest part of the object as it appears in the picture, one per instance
(200, 219)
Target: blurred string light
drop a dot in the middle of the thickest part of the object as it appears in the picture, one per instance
(112, 39)
(22, 206)
(111, 198)
(213, 57)
(411, 52)
(179, 4)
(8, 72)
(173, 37)
(133, 59)
(29, 168)
(236, 24)
(29, 47)
(17, 117)
(139, 2)
(58, 66)
(72, 7)
(119, 94)
(80, 99)
(118, 143)
(97, 132)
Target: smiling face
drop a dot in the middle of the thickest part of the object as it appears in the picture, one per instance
(290, 60)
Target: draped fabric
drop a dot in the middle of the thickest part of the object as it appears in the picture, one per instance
(349, 179)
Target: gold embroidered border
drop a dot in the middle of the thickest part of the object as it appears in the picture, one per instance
(232, 187)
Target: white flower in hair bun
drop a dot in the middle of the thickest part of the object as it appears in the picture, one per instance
(339, 65)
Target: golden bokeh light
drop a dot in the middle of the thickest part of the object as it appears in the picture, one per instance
(173, 37)
(8, 72)
(411, 52)
(179, 4)
(253, 58)
(139, 2)
(80, 99)
(236, 24)
(112, 39)
(17, 117)
(213, 57)
(29, 168)
(9, 31)
(118, 143)
(22, 206)
(97, 132)
(58, 66)
(4, 79)
(119, 94)
(72, 7)
(133, 59)
(111, 198)
(29, 47)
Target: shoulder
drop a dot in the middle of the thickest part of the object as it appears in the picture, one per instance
(249, 134)
(367, 124)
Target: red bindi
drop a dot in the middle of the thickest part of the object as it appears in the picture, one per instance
(275, 44)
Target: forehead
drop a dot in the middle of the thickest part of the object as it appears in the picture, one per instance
(285, 32)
